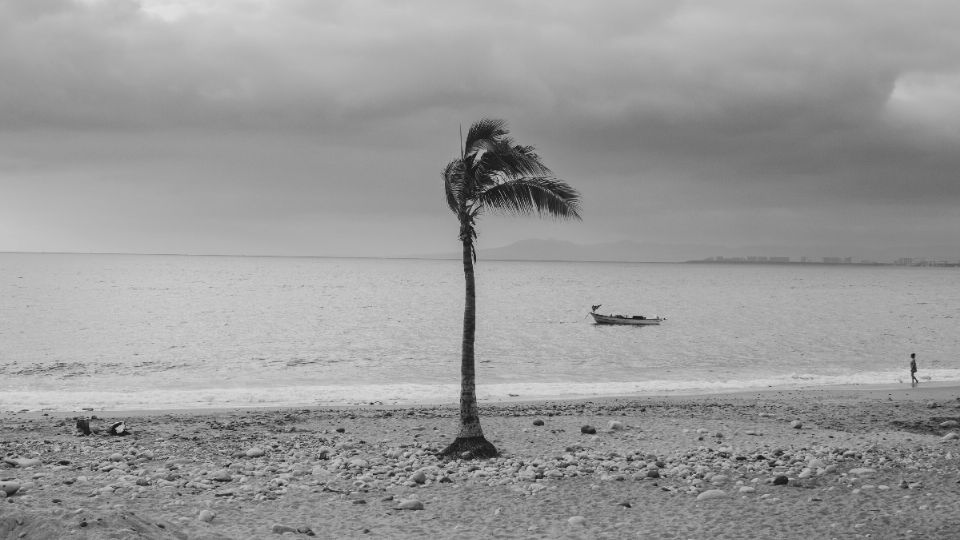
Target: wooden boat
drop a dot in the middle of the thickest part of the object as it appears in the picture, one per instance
(635, 320)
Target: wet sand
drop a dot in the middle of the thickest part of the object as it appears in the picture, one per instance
(839, 462)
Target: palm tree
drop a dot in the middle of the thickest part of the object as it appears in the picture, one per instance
(493, 173)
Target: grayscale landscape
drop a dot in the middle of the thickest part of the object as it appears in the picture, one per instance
(508, 269)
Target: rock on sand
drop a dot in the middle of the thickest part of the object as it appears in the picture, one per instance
(410, 504)
(711, 494)
(9, 487)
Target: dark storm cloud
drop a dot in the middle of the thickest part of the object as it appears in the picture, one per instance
(712, 117)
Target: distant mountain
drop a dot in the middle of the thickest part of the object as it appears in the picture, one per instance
(623, 251)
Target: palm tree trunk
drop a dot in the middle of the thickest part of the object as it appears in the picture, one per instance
(470, 439)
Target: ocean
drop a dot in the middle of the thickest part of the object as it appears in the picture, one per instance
(120, 332)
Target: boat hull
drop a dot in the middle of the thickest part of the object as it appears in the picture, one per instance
(629, 321)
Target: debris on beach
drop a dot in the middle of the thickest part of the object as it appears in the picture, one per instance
(118, 429)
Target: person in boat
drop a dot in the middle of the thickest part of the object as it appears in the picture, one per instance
(593, 309)
(913, 369)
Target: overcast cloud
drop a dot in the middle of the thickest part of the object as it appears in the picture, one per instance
(321, 127)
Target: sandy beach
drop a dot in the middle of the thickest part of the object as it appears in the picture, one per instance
(835, 462)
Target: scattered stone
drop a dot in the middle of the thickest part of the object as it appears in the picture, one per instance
(796, 424)
(409, 504)
(9, 487)
(83, 426)
(950, 436)
(615, 425)
(206, 516)
(280, 529)
(747, 489)
(222, 475)
(862, 471)
(255, 452)
(949, 424)
(23, 463)
(653, 473)
(780, 480)
(418, 477)
(711, 494)
(577, 521)
(588, 430)
(538, 422)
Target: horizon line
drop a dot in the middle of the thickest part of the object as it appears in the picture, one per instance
(438, 257)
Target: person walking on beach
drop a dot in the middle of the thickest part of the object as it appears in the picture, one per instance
(913, 369)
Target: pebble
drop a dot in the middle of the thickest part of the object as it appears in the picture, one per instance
(9, 487)
(711, 494)
(418, 477)
(577, 521)
(796, 424)
(950, 436)
(538, 422)
(747, 489)
(409, 504)
(588, 430)
(862, 471)
(222, 475)
(615, 425)
(206, 516)
(949, 424)
(22, 462)
(255, 452)
(780, 480)
(280, 529)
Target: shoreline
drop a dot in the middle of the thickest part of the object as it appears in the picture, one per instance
(935, 390)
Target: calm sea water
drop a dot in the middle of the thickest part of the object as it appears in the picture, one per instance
(130, 331)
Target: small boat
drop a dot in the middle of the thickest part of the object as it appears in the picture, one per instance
(636, 320)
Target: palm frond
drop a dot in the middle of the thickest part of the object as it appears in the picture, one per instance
(518, 160)
(543, 195)
(454, 184)
(486, 128)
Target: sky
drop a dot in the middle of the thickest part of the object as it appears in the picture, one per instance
(307, 127)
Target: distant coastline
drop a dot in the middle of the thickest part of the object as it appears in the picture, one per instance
(522, 253)
(824, 261)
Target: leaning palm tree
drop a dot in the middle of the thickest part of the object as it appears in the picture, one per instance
(493, 173)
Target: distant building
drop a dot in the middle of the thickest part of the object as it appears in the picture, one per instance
(831, 260)
(780, 259)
